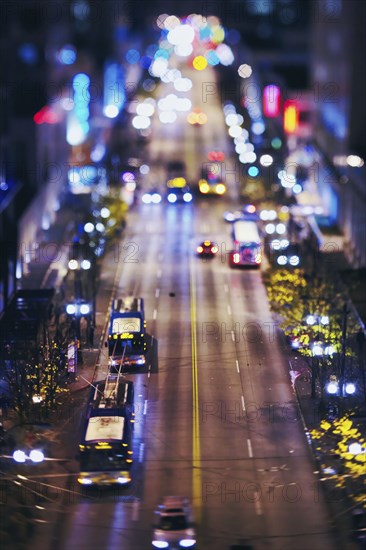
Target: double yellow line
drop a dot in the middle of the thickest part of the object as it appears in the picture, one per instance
(196, 448)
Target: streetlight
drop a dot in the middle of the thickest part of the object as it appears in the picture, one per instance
(317, 320)
(350, 388)
(332, 387)
(35, 455)
(78, 310)
(356, 449)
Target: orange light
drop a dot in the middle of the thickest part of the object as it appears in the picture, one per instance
(290, 117)
(201, 118)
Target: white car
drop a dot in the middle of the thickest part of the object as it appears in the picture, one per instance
(174, 527)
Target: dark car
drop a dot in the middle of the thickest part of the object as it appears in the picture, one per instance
(207, 249)
(179, 194)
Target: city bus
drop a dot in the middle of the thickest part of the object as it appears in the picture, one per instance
(247, 250)
(127, 333)
(106, 444)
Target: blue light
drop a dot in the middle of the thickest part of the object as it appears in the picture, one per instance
(253, 171)
(80, 79)
(114, 90)
(145, 61)
(151, 49)
(205, 33)
(132, 56)
(297, 189)
(232, 37)
(28, 53)
(212, 58)
(67, 55)
(161, 53)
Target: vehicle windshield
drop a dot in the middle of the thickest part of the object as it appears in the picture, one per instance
(252, 247)
(102, 461)
(129, 347)
(173, 523)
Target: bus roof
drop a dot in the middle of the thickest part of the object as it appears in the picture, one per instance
(246, 232)
(105, 428)
(113, 390)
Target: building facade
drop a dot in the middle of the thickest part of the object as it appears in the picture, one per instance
(339, 89)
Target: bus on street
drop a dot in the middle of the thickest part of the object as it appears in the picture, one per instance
(247, 244)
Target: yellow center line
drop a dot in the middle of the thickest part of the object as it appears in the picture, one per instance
(196, 449)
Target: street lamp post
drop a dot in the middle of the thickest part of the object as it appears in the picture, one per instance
(343, 353)
(317, 349)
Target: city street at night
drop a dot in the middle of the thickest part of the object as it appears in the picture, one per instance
(182, 275)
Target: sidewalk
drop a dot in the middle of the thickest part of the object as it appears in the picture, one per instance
(48, 269)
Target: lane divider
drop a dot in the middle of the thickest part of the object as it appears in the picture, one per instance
(196, 444)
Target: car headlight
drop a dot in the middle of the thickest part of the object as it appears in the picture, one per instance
(123, 480)
(85, 480)
(294, 260)
(146, 198)
(160, 544)
(282, 260)
(187, 543)
(19, 456)
(187, 197)
(36, 455)
(229, 217)
(172, 197)
(156, 198)
(140, 361)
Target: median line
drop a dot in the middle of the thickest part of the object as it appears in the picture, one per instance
(196, 448)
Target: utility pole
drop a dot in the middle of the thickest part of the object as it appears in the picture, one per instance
(343, 353)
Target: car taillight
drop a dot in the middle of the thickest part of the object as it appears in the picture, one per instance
(236, 258)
